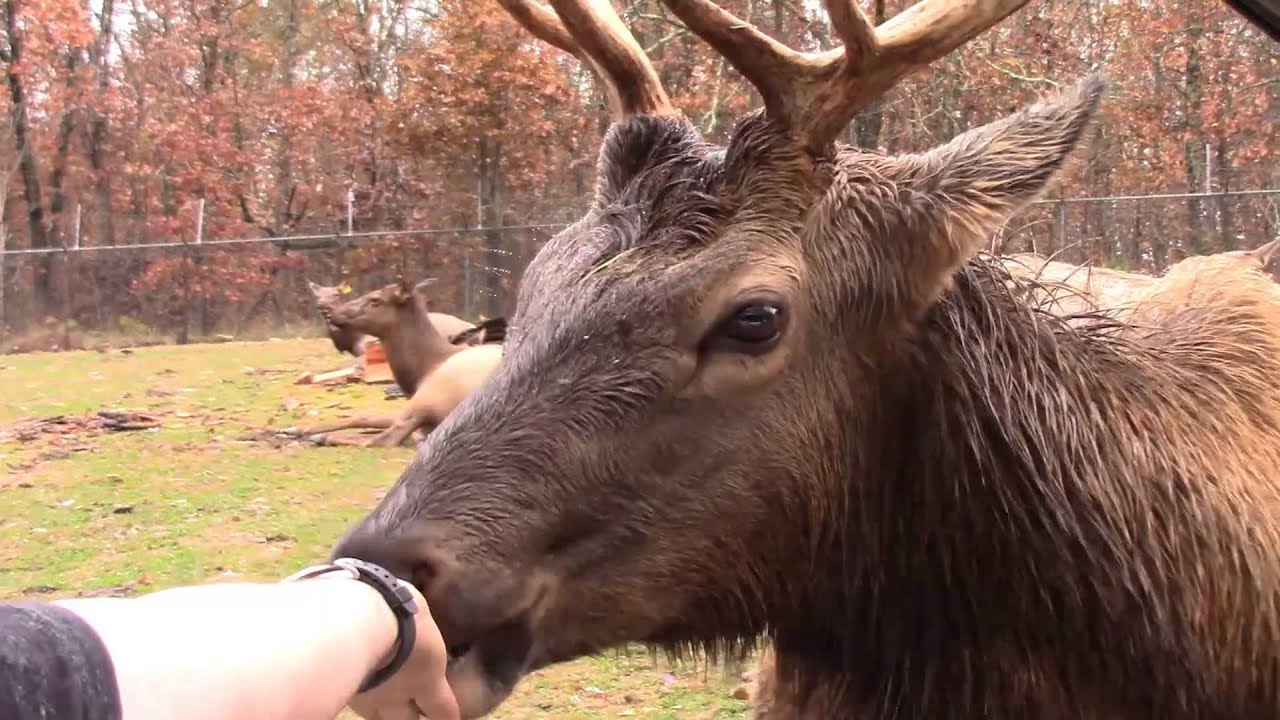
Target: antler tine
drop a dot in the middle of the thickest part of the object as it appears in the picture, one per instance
(816, 94)
(929, 30)
(767, 64)
(543, 24)
(855, 30)
(592, 31)
(633, 83)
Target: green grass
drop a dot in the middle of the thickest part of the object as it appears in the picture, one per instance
(190, 502)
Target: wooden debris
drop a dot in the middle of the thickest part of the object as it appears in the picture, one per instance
(103, 420)
(117, 420)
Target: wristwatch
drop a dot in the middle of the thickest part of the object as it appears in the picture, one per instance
(393, 590)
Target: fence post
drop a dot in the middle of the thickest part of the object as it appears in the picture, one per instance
(351, 201)
(200, 221)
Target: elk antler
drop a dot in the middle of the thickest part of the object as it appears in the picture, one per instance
(816, 94)
(592, 31)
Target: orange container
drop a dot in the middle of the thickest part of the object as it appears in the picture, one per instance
(373, 366)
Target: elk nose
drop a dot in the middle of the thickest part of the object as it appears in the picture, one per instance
(410, 559)
(418, 560)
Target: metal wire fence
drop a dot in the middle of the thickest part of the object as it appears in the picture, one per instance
(246, 287)
(254, 287)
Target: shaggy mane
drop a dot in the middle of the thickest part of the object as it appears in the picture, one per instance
(1039, 503)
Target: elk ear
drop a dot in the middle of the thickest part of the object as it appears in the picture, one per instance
(314, 288)
(962, 192)
(402, 290)
(424, 284)
(1265, 254)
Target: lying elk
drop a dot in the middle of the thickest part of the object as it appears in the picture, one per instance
(1068, 289)
(437, 372)
(351, 341)
(773, 387)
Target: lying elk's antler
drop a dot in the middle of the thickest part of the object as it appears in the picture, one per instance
(813, 94)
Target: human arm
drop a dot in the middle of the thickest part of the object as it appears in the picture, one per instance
(290, 650)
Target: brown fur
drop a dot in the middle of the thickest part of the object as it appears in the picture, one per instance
(1067, 289)
(436, 372)
(437, 395)
(347, 339)
(935, 500)
(1083, 290)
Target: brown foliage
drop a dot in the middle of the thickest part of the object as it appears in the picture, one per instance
(270, 112)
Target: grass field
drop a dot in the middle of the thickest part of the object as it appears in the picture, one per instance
(120, 513)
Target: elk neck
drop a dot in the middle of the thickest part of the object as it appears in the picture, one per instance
(415, 348)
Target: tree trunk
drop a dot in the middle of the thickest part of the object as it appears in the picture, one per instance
(285, 186)
(28, 166)
(98, 129)
(1193, 139)
(1222, 157)
(57, 181)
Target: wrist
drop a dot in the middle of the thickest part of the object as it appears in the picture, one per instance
(366, 619)
(401, 601)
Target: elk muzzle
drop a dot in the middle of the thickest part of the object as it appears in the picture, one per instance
(486, 615)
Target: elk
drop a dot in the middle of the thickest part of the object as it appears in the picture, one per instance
(351, 341)
(345, 340)
(775, 388)
(1083, 290)
(435, 371)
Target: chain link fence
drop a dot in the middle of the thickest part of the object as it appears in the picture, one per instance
(1143, 233)
(246, 289)
(252, 288)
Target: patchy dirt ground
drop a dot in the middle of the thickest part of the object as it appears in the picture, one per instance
(173, 492)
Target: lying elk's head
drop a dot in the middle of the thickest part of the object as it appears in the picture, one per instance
(379, 312)
(329, 293)
(326, 296)
(688, 368)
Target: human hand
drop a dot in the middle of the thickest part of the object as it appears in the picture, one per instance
(419, 688)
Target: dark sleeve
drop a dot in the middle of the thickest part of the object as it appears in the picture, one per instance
(53, 666)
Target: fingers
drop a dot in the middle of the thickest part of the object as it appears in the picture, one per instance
(420, 687)
(440, 704)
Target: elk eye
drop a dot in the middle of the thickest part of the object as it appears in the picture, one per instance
(754, 323)
(754, 328)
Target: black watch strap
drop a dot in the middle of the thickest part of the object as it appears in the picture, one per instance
(398, 598)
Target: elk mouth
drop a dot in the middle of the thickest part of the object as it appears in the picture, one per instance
(332, 318)
(484, 668)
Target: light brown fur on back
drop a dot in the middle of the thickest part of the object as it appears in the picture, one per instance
(418, 345)
(441, 391)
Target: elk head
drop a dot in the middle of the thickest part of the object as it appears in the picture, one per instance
(379, 312)
(692, 365)
(328, 293)
(326, 296)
